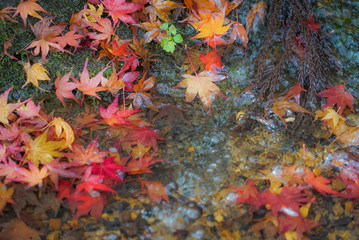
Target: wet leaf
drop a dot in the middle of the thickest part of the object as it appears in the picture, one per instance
(336, 95)
(258, 9)
(203, 85)
(155, 191)
(17, 229)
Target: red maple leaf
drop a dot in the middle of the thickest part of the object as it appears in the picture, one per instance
(143, 165)
(90, 204)
(92, 183)
(147, 137)
(248, 193)
(119, 10)
(337, 95)
(294, 92)
(212, 60)
(112, 116)
(320, 184)
(312, 26)
(109, 169)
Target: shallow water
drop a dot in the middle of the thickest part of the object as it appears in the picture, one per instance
(208, 155)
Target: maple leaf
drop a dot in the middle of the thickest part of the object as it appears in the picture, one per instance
(294, 92)
(62, 168)
(212, 60)
(119, 10)
(258, 9)
(91, 183)
(7, 44)
(33, 176)
(92, 11)
(140, 150)
(4, 14)
(203, 85)
(29, 7)
(34, 73)
(336, 95)
(41, 151)
(320, 184)
(248, 193)
(155, 190)
(70, 38)
(154, 32)
(102, 25)
(109, 169)
(145, 136)
(140, 97)
(84, 156)
(6, 108)
(113, 116)
(91, 204)
(172, 112)
(64, 87)
(29, 110)
(312, 26)
(90, 86)
(9, 170)
(143, 165)
(238, 31)
(5, 196)
(280, 107)
(160, 9)
(213, 29)
(63, 130)
(44, 36)
(331, 117)
(114, 83)
(142, 52)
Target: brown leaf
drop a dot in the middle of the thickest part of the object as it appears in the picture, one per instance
(17, 229)
(258, 9)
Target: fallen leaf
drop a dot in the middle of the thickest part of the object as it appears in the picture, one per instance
(203, 85)
(4, 14)
(17, 229)
(29, 7)
(155, 191)
(160, 9)
(44, 35)
(42, 151)
(336, 95)
(258, 9)
(64, 87)
(119, 10)
(34, 73)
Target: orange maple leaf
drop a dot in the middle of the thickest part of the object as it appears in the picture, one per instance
(102, 25)
(44, 34)
(203, 85)
(212, 28)
(29, 7)
(6, 108)
(155, 190)
(320, 184)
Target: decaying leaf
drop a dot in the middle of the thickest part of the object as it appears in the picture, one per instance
(258, 9)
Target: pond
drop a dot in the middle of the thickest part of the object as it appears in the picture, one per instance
(207, 157)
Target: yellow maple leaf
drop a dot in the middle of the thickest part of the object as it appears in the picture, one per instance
(35, 73)
(330, 115)
(203, 85)
(63, 130)
(88, 14)
(41, 151)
